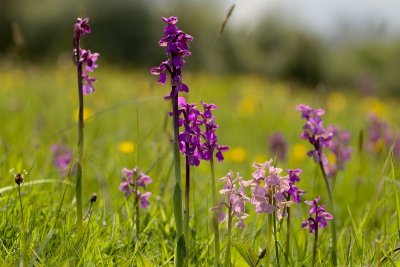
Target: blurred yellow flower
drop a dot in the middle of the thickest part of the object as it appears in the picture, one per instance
(126, 147)
(87, 113)
(373, 105)
(379, 145)
(299, 152)
(336, 101)
(237, 154)
(247, 106)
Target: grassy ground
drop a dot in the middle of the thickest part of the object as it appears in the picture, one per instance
(127, 126)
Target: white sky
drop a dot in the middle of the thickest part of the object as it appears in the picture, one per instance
(323, 16)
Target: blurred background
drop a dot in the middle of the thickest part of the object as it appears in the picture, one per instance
(346, 45)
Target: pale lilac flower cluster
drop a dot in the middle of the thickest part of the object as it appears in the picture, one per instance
(198, 139)
(318, 218)
(177, 48)
(84, 57)
(234, 189)
(131, 181)
(340, 149)
(63, 157)
(269, 188)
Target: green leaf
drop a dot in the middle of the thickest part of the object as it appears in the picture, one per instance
(178, 209)
(180, 251)
(247, 254)
(143, 261)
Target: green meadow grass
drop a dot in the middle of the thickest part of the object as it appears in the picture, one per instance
(38, 108)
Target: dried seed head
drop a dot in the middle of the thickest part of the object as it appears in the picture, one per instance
(93, 198)
(19, 178)
(262, 253)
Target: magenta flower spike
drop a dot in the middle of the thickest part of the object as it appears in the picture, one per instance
(85, 58)
(315, 133)
(318, 218)
(320, 138)
(209, 135)
(177, 48)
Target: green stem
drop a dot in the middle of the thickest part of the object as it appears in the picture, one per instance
(287, 250)
(78, 186)
(228, 244)
(178, 214)
(315, 245)
(215, 215)
(275, 236)
(332, 209)
(187, 201)
(23, 236)
(269, 239)
(137, 215)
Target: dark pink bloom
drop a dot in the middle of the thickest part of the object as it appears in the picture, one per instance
(87, 83)
(81, 27)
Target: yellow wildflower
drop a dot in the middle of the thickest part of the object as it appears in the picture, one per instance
(336, 101)
(126, 147)
(237, 154)
(87, 113)
(299, 152)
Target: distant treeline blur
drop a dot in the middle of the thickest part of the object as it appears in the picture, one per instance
(125, 33)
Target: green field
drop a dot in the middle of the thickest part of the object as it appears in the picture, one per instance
(38, 108)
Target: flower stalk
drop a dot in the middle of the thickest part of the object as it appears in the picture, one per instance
(83, 58)
(215, 214)
(318, 218)
(321, 138)
(229, 241)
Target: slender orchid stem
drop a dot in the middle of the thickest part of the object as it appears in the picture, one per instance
(137, 215)
(269, 240)
(187, 200)
(287, 251)
(178, 183)
(315, 245)
(215, 218)
(228, 244)
(332, 208)
(78, 186)
(275, 236)
(23, 233)
(276, 242)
